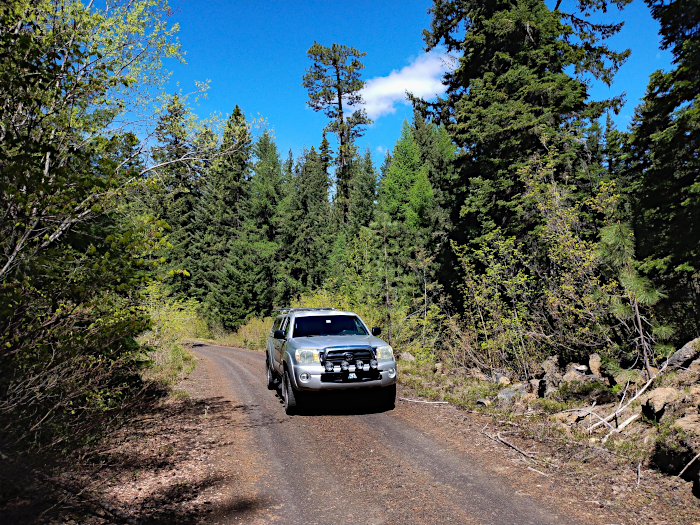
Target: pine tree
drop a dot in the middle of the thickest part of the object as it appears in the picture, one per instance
(665, 167)
(178, 198)
(306, 237)
(263, 226)
(437, 155)
(512, 96)
(334, 85)
(400, 176)
(219, 217)
(363, 194)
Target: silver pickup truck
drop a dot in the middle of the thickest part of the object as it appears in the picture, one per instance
(320, 349)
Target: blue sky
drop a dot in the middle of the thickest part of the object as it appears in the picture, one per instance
(254, 54)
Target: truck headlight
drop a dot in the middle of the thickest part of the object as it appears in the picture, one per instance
(385, 353)
(306, 356)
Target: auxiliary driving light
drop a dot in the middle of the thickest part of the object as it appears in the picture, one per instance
(373, 364)
(329, 366)
(344, 365)
(304, 377)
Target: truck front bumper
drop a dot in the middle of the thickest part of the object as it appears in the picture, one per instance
(319, 380)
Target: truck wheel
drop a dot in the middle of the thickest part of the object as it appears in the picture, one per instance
(271, 383)
(291, 404)
(387, 398)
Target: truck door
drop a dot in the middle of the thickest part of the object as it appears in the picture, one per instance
(279, 345)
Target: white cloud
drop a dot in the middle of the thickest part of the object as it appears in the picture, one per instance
(420, 78)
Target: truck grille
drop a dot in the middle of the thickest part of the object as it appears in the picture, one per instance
(351, 354)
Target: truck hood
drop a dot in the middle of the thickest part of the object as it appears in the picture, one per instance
(324, 341)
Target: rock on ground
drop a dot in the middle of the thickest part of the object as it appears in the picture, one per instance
(551, 365)
(689, 423)
(572, 375)
(407, 356)
(594, 363)
(657, 400)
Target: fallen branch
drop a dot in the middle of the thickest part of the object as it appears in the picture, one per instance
(503, 441)
(639, 472)
(426, 402)
(527, 455)
(588, 411)
(688, 465)
(535, 470)
(619, 410)
(622, 425)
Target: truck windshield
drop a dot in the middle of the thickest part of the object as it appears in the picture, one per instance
(328, 325)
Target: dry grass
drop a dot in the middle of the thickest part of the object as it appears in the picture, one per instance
(251, 335)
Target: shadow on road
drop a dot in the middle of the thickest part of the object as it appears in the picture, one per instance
(151, 470)
(338, 403)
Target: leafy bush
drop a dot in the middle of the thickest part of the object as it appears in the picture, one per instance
(173, 321)
(253, 334)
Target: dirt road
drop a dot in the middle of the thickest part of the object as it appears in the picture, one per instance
(360, 466)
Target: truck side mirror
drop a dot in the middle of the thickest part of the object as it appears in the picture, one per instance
(376, 331)
(279, 334)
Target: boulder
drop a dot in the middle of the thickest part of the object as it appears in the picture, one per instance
(438, 368)
(503, 380)
(519, 389)
(483, 402)
(549, 389)
(694, 366)
(551, 365)
(657, 400)
(407, 356)
(534, 386)
(507, 394)
(685, 355)
(633, 376)
(581, 369)
(572, 375)
(594, 363)
(690, 423)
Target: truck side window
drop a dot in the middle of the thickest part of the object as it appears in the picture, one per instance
(276, 324)
(285, 323)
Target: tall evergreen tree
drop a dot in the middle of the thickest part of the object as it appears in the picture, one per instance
(363, 193)
(219, 216)
(404, 191)
(268, 188)
(334, 86)
(437, 154)
(306, 235)
(511, 93)
(665, 167)
(177, 201)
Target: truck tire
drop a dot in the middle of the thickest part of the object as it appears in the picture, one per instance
(387, 399)
(271, 381)
(289, 395)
